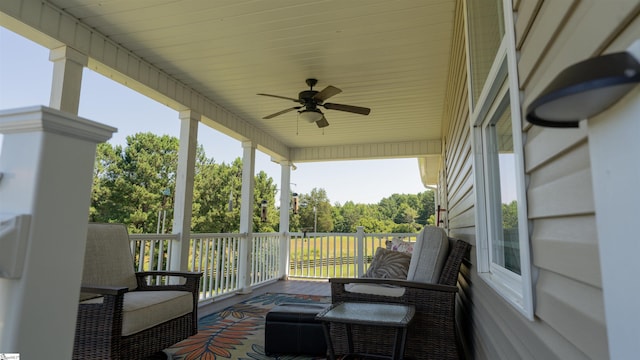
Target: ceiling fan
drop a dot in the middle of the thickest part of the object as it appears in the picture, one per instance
(311, 99)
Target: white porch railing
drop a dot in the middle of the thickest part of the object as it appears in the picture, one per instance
(311, 255)
(325, 255)
(217, 257)
(151, 251)
(265, 258)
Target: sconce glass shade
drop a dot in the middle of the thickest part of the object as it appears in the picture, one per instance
(311, 115)
(584, 90)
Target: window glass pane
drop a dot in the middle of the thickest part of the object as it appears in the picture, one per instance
(486, 29)
(506, 245)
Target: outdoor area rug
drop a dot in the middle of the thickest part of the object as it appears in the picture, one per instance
(237, 332)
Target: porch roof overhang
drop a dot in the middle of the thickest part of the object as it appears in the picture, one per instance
(213, 57)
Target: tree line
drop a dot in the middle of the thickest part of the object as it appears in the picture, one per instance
(134, 184)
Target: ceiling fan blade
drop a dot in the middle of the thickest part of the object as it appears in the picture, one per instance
(322, 122)
(280, 97)
(328, 92)
(347, 108)
(282, 112)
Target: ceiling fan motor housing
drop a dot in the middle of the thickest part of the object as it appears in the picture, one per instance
(306, 97)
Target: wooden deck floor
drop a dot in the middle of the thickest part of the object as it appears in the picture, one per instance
(308, 287)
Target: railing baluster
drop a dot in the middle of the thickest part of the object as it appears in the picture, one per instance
(206, 276)
(211, 266)
(230, 265)
(226, 261)
(161, 255)
(219, 269)
(141, 256)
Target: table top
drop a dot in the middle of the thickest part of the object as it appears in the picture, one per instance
(378, 314)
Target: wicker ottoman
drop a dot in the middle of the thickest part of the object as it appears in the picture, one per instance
(293, 329)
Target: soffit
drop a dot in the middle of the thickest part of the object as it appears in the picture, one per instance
(391, 56)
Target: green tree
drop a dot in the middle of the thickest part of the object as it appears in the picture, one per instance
(316, 209)
(346, 217)
(426, 207)
(510, 215)
(135, 183)
(408, 208)
(265, 190)
(130, 182)
(217, 189)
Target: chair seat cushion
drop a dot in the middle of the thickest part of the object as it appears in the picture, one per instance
(145, 309)
(375, 289)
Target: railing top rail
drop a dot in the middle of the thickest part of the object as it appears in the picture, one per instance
(311, 234)
(318, 234)
(210, 235)
(153, 236)
(297, 233)
(391, 234)
(266, 234)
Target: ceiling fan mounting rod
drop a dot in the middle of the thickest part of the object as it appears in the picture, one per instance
(312, 82)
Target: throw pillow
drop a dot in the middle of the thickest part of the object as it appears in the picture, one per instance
(388, 264)
(397, 244)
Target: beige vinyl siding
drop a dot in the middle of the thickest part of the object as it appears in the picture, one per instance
(456, 182)
(569, 312)
(560, 193)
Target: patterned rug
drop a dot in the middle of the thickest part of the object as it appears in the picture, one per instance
(237, 332)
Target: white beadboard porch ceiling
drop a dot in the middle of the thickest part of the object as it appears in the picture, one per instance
(391, 56)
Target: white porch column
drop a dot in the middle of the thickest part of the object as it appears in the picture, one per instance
(47, 161)
(68, 64)
(615, 169)
(285, 200)
(246, 215)
(183, 197)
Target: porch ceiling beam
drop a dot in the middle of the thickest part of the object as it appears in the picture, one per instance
(52, 27)
(408, 149)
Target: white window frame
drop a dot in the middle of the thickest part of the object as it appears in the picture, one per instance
(501, 90)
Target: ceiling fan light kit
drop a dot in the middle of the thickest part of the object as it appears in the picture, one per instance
(310, 100)
(311, 115)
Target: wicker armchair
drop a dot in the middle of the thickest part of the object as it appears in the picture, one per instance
(121, 315)
(431, 335)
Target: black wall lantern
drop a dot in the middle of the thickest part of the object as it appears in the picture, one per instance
(584, 90)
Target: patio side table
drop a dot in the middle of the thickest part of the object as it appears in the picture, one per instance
(393, 316)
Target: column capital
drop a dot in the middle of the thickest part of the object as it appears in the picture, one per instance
(45, 119)
(283, 162)
(248, 144)
(189, 114)
(68, 53)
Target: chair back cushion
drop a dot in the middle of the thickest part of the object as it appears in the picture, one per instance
(107, 258)
(429, 255)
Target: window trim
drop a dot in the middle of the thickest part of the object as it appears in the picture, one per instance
(501, 88)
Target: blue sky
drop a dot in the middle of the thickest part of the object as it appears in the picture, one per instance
(25, 80)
